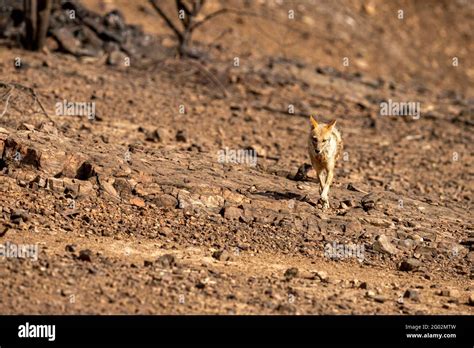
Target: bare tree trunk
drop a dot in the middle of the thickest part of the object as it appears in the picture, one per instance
(44, 10)
(37, 21)
(30, 7)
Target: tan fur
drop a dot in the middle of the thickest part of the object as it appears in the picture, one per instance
(325, 147)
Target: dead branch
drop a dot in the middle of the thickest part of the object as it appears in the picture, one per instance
(224, 11)
(168, 21)
(190, 24)
(211, 76)
(9, 93)
(28, 90)
(227, 10)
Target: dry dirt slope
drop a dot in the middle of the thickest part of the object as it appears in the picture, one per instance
(133, 213)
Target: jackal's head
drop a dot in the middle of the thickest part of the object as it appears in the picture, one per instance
(320, 134)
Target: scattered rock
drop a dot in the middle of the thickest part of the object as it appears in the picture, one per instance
(369, 202)
(71, 186)
(352, 227)
(322, 275)
(449, 293)
(370, 294)
(109, 188)
(429, 236)
(71, 248)
(194, 201)
(232, 213)
(290, 273)
(470, 301)
(85, 171)
(165, 231)
(147, 263)
(256, 150)
(383, 245)
(406, 243)
(454, 293)
(369, 8)
(74, 166)
(39, 181)
(166, 261)
(85, 255)
(26, 126)
(138, 202)
(67, 41)
(200, 285)
(286, 308)
(19, 215)
(416, 238)
(349, 203)
(412, 294)
(165, 201)
(409, 265)
(302, 173)
(48, 128)
(378, 222)
(86, 188)
(56, 185)
(117, 58)
(153, 136)
(181, 136)
(427, 252)
(380, 299)
(222, 255)
(125, 188)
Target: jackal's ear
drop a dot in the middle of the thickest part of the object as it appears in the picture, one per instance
(314, 124)
(330, 125)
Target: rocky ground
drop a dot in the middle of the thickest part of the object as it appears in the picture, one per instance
(133, 211)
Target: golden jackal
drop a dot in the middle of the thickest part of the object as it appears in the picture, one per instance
(325, 146)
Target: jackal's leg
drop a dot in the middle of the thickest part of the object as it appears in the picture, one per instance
(319, 171)
(325, 193)
(321, 180)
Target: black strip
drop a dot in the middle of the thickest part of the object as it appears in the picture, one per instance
(292, 331)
